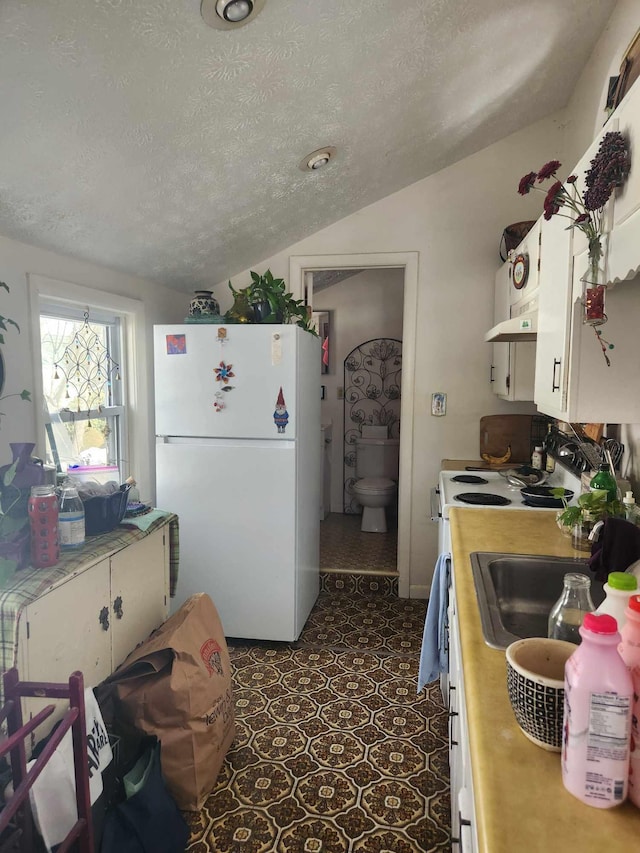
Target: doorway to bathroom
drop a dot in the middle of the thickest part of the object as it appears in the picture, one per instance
(361, 298)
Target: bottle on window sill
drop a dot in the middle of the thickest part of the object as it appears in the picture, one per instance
(134, 493)
(71, 518)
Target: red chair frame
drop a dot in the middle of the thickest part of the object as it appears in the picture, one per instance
(80, 836)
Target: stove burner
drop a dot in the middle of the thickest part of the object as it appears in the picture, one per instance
(482, 498)
(469, 478)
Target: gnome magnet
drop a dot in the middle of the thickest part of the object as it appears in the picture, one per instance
(281, 415)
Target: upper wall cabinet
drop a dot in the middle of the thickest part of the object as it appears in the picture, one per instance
(624, 241)
(573, 381)
(513, 363)
(554, 298)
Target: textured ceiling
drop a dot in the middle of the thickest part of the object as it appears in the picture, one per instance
(135, 136)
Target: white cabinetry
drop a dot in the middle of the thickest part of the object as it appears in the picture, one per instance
(623, 260)
(572, 379)
(513, 363)
(554, 293)
(463, 821)
(91, 620)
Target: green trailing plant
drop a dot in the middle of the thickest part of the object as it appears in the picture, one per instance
(591, 506)
(282, 306)
(267, 290)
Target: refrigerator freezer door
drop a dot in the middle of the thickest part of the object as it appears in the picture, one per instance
(238, 541)
(195, 369)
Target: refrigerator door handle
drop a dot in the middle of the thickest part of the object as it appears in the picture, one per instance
(162, 439)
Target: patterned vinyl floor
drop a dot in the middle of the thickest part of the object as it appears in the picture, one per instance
(344, 547)
(334, 750)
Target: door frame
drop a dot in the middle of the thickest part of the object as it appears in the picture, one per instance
(301, 264)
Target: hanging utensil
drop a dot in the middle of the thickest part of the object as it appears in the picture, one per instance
(616, 449)
(589, 451)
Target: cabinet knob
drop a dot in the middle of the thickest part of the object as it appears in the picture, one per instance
(104, 618)
(556, 365)
(117, 607)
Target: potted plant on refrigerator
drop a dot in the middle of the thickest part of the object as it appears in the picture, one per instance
(265, 295)
(266, 300)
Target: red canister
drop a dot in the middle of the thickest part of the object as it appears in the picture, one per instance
(43, 518)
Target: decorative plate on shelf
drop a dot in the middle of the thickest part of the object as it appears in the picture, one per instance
(520, 270)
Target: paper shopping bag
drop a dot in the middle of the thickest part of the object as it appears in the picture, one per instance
(177, 686)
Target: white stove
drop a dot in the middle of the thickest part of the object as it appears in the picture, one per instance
(452, 484)
(485, 490)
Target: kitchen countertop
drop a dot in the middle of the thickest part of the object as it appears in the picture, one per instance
(520, 801)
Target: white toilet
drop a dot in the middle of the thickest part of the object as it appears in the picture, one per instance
(377, 463)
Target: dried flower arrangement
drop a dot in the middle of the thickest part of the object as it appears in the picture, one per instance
(608, 170)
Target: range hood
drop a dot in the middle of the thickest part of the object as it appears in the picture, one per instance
(522, 328)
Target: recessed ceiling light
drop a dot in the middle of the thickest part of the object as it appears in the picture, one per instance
(317, 159)
(229, 14)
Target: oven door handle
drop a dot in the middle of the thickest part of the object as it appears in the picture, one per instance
(436, 504)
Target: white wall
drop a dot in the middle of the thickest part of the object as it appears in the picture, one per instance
(454, 219)
(161, 305)
(363, 307)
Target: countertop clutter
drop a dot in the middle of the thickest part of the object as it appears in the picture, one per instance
(520, 801)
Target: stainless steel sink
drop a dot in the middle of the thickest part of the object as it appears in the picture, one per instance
(516, 592)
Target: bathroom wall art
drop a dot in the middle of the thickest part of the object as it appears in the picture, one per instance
(372, 379)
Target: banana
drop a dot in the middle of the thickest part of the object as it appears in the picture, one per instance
(497, 460)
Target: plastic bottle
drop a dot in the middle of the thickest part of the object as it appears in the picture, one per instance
(629, 649)
(43, 521)
(619, 588)
(537, 458)
(71, 518)
(569, 610)
(605, 480)
(596, 729)
(631, 511)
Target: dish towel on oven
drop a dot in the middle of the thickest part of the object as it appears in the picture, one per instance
(434, 655)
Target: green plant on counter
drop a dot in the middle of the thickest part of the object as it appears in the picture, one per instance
(591, 506)
(266, 300)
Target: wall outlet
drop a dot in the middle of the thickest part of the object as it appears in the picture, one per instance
(340, 392)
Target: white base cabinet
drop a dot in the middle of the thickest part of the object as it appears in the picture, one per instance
(91, 620)
(463, 821)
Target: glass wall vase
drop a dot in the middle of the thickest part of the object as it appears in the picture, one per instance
(595, 289)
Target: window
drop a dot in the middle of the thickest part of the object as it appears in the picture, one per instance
(117, 425)
(83, 384)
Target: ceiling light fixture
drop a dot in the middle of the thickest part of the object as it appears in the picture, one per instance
(317, 159)
(229, 14)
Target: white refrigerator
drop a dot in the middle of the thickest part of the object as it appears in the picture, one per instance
(238, 460)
